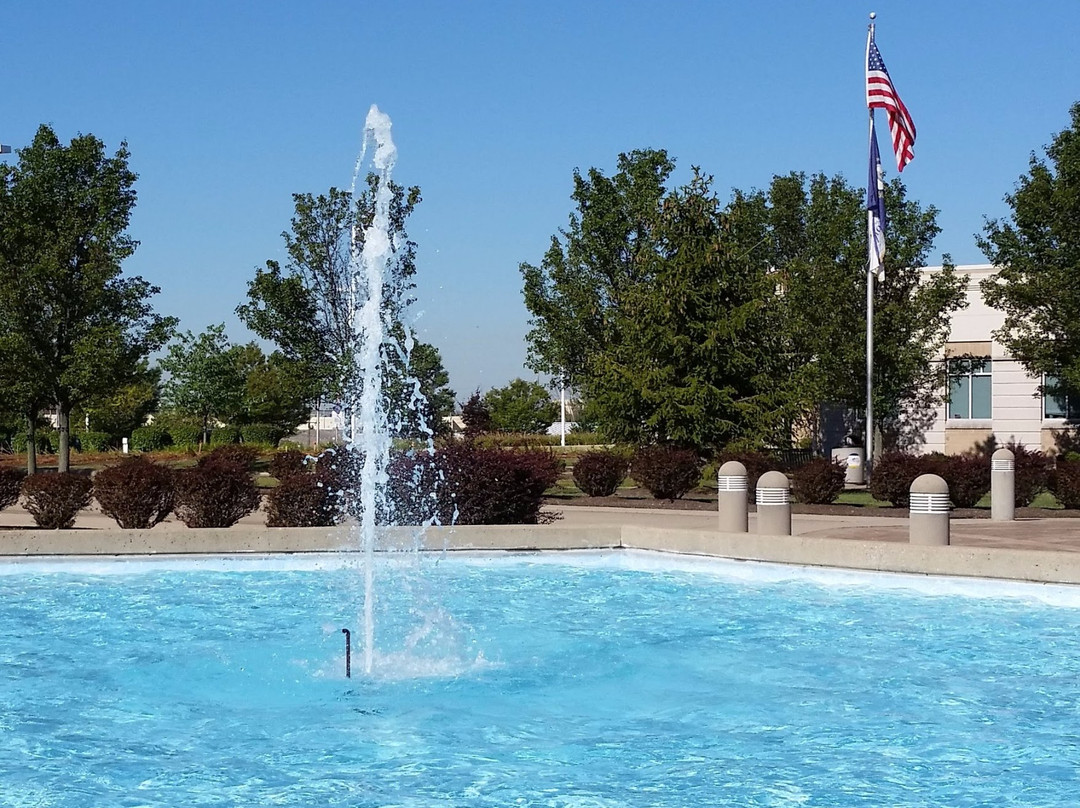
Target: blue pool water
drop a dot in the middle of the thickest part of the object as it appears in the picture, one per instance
(584, 680)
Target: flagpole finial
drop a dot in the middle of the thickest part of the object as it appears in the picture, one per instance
(873, 15)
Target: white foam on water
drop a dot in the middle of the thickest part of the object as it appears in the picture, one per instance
(749, 572)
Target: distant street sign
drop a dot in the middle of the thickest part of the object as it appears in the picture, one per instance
(5, 149)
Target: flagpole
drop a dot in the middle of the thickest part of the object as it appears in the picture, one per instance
(869, 437)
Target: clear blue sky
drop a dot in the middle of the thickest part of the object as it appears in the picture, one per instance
(230, 107)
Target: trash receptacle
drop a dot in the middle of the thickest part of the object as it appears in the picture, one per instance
(853, 458)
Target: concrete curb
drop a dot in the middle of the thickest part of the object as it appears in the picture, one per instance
(1044, 566)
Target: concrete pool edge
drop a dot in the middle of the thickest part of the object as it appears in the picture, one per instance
(1042, 566)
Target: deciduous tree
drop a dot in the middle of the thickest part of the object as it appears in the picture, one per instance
(521, 406)
(73, 327)
(1038, 252)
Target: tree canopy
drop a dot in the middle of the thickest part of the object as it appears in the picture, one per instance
(308, 307)
(521, 406)
(1037, 251)
(686, 320)
(72, 329)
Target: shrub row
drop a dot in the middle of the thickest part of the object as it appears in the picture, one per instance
(48, 442)
(155, 438)
(968, 476)
(464, 484)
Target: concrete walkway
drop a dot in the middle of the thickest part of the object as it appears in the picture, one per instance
(1061, 534)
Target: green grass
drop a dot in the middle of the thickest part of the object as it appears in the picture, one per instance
(863, 499)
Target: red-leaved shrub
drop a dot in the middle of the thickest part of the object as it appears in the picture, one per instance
(666, 472)
(301, 500)
(286, 463)
(54, 500)
(1032, 473)
(1065, 483)
(215, 493)
(237, 454)
(11, 480)
(136, 492)
(968, 477)
(415, 480)
(818, 482)
(892, 476)
(492, 486)
(599, 474)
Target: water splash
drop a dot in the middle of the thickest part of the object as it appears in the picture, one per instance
(372, 324)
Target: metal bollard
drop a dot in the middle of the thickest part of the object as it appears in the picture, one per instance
(731, 497)
(928, 518)
(1003, 486)
(774, 504)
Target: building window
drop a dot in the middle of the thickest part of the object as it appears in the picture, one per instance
(1058, 402)
(969, 388)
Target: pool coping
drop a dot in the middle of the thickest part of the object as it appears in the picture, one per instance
(1042, 566)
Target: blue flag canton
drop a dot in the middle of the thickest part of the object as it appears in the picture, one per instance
(874, 60)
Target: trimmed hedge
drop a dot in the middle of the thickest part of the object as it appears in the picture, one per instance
(224, 436)
(136, 492)
(150, 438)
(11, 480)
(892, 476)
(1032, 473)
(818, 482)
(215, 493)
(232, 454)
(968, 477)
(54, 500)
(666, 472)
(492, 486)
(185, 435)
(599, 474)
(286, 463)
(1065, 483)
(301, 500)
(261, 434)
(94, 441)
(43, 440)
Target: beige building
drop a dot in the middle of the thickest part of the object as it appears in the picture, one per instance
(990, 394)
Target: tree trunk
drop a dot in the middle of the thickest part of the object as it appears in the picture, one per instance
(31, 443)
(63, 425)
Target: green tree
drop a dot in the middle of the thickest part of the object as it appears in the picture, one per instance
(126, 408)
(521, 406)
(307, 308)
(814, 237)
(417, 392)
(697, 361)
(589, 267)
(1038, 252)
(74, 328)
(276, 389)
(206, 380)
(653, 309)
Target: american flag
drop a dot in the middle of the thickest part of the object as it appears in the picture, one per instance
(880, 93)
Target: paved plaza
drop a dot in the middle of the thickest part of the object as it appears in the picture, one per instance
(1060, 534)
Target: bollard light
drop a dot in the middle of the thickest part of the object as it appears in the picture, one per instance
(1003, 486)
(731, 497)
(774, 504)
(928, 517)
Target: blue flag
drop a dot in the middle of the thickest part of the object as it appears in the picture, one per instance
(875, 206)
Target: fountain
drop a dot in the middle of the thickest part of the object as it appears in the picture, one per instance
(370, 433)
